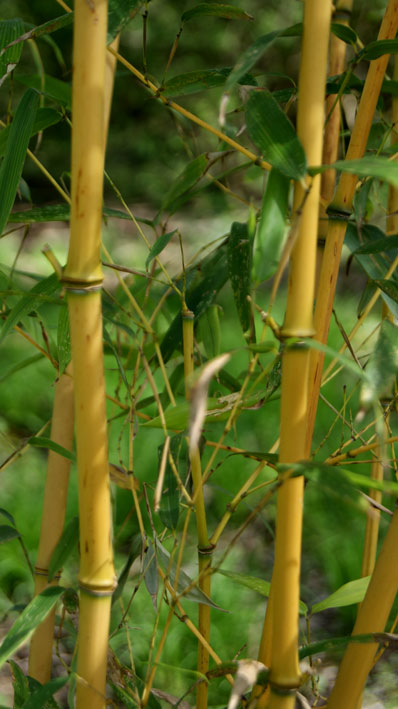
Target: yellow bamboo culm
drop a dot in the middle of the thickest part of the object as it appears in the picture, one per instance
(372, 618)
(341, 207)
(204, 546)
(53, 517)
(82, 278)
(284, 671)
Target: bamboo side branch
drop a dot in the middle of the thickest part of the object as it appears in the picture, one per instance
(53, 517)
(82, 278)
(285, 672)
(341, 207)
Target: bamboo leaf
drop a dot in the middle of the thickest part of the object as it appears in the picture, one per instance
(249, 58)
(369, 166)
(40, 698)
(230, 12)
(376, 49)
(15, 153)
(189, 176)
(208, 331)
(61, 213)
(274, 135)
(346, 34)
(194, 81)
(120, 12)
(108, 340)
(160, 244)
(388, 287)
(239, 268)
(336, 643)
(67, 543)
(10, 30)
(20, 685)
(170, 503)
(29, 302)
(151, 574)
(34, 613)
(7, 533)
(56, 89)
(346, 595)
(63, 340)
(387, 243)
(45, 117)
(255, 584)
(7, 515)
(271, 228)
(41, 442)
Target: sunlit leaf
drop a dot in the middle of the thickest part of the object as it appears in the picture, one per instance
(369, 166)
(194, 81)
(216, 9)
(61, 213)
(34, 613)
(346, 595)
(15, 153)
(271, 229)
(66, 545)
(274, 135)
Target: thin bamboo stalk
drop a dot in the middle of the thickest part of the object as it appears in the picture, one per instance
(341, 207)
(82, 278)
(53, 517)
(205, 548)
(372, 618)
(285, 672)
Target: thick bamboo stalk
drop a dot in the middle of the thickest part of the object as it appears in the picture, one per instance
(372, 618)
(341, 207)
(204, 547)
(285, 672)
(82, 277)
(53, 517)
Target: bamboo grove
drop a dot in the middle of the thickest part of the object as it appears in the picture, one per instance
(198, 463)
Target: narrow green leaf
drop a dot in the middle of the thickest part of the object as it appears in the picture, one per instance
(249, 58)
(160, 244)
(66, 545)
(216, 9)
(20, 365)
(194, 81)
(10, 30)
(382, 366)
(41, 442)
(388, 243)
(40, 698)
(7, 533)
(170, 503)
(195, 594)
(189, 176)
(336, 643)
(378, 48)
(388, 287)
(274, 135)
(346, 34)
(34, 613)
(255, 584)
(239, 268)
(56, 89)
(61, 213)
(29, 302)
(45, 117)
(120, 13)
(123, 696)
(63, 340)
(7, 515)
(271, 228)
(346, 595)
(368, 166)
(15, 153)
(151, 574)
(20, 685)
(267, 346)
(135, 551)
